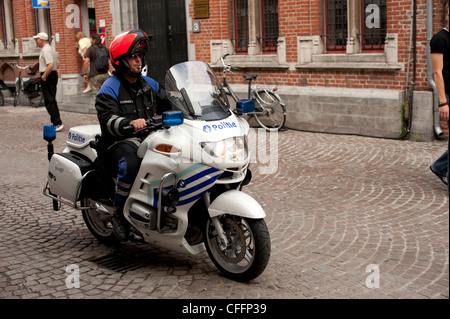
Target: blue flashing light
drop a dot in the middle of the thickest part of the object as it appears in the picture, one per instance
(49, 133)
(245, 106)
(172, 118)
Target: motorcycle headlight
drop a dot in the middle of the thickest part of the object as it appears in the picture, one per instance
(233, 148)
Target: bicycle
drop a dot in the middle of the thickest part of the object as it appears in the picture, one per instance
(270, 110)
(31, 88)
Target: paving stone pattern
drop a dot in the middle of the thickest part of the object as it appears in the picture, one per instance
(340, 209)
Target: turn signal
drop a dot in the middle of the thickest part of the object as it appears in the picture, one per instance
(166, 148)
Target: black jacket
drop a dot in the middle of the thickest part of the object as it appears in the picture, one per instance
(119, 102)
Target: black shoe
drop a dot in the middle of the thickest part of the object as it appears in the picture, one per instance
(121, 227)
(444, 179)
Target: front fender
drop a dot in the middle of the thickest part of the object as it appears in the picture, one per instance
(237, 203)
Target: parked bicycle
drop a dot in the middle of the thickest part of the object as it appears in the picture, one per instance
(270, 111)
(31, 88)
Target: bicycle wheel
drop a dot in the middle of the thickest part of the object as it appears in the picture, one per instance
(35, 97)
(273, 109)
(16, 94)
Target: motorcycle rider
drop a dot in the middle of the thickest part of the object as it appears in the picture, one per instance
(127, 98)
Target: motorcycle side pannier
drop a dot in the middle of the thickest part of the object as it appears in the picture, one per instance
(65, 173)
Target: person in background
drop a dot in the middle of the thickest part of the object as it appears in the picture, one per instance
(48, 66)
(83, 43)
(440, 60)
(90, 72)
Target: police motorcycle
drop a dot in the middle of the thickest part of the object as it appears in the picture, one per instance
(187, 196)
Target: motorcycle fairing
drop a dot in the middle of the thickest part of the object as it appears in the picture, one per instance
(197, 179)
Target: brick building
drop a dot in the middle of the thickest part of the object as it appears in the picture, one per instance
(346, 66)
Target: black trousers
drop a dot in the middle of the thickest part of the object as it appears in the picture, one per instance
(49, 93)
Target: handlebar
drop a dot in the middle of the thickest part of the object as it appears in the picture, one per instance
(31, 72)
(23, 67)
(153, 124)
(227, 67)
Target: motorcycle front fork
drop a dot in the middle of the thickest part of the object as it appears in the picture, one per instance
(223, 241)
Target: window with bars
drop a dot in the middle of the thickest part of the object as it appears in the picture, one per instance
(262, 18)
(241, 35)
(269, 15)
(373, 24)
(337, 25)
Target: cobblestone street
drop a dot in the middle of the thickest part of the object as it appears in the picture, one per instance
(340, 209)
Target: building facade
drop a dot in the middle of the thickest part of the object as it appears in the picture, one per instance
(342, 66)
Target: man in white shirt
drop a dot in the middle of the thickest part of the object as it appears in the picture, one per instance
(48, 66)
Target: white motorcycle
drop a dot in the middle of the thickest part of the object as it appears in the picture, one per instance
(187, 195)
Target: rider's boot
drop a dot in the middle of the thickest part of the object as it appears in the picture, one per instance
(121, 227)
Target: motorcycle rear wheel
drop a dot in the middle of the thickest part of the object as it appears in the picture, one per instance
(99, 223)
(248, 252)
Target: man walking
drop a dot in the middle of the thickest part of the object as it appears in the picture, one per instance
(48, 65)
(440, 60)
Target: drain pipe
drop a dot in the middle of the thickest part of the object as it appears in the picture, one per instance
(406, 94)
(436, 119)
(414, 47)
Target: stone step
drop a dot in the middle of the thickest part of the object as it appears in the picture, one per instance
(81, 103)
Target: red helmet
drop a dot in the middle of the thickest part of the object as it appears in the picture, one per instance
(127, 42)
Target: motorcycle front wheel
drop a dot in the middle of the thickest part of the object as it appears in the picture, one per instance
(248, 251)
(98, 222)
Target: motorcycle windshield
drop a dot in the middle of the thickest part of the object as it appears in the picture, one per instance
(193, 88)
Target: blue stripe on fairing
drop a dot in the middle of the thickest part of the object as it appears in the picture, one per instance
(189, 180)
(191, 199)
(199, 186)
(201, 174)
(188, 170)
(170, 179)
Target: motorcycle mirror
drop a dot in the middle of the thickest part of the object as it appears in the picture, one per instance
(49, 133)
(245, 106)
(172, 118)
